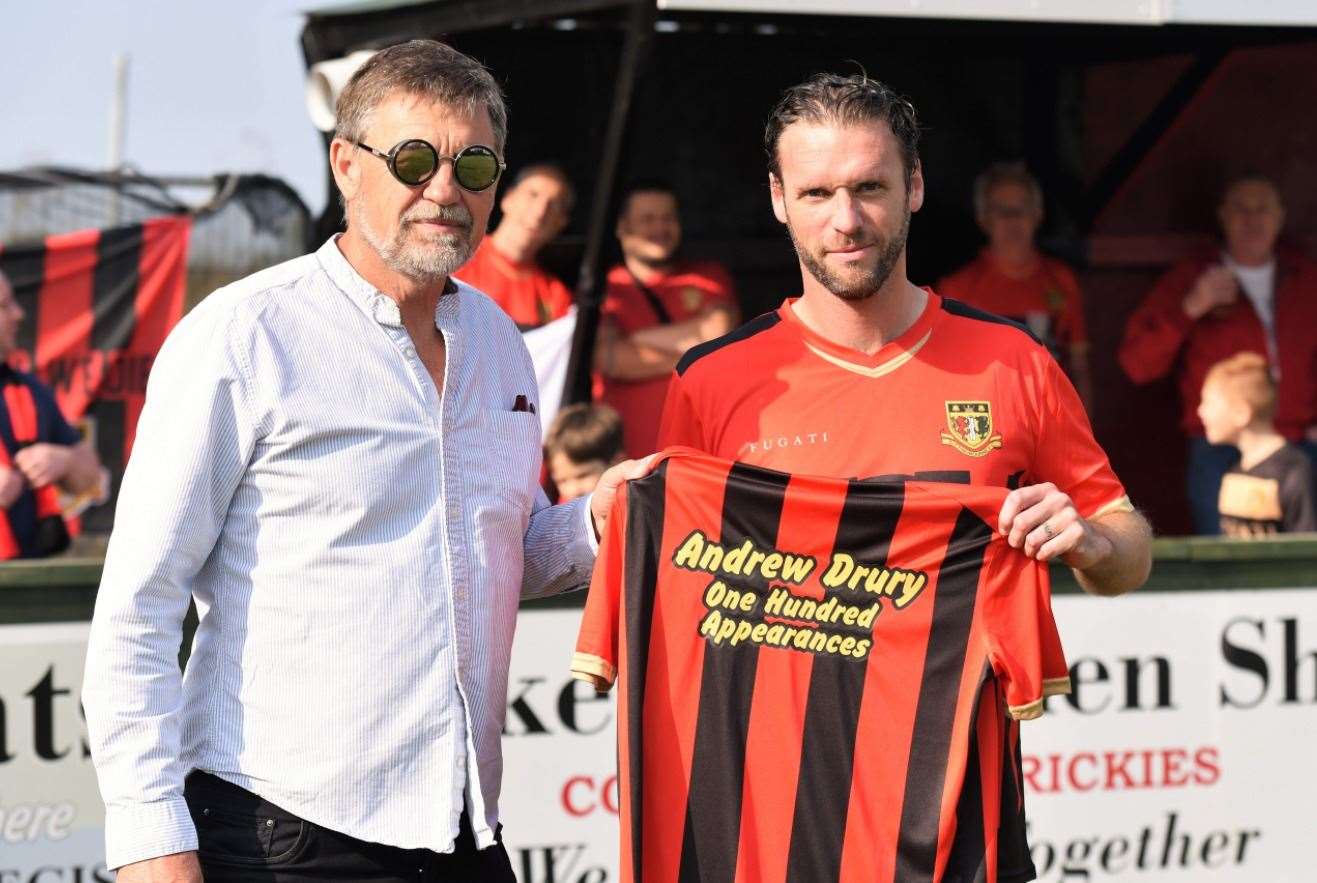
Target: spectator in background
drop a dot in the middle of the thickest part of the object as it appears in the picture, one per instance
(656, 307)
(40, 453)
(1011, 278)
(535, 210)
(1250, 296)
(1270, 490)
(582, 442)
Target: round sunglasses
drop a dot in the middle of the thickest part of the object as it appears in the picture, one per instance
(414, 162)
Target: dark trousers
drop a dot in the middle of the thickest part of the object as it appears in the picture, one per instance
(245, 839)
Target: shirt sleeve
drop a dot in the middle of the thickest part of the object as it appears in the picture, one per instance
(722, 290)
(1297, 506)
(194, 439)
(1024, 645)
(597, 644)
(1158, 329)
(61, 432)
(614, 309)
(559, 547)
(680, 423)
(1066, 453)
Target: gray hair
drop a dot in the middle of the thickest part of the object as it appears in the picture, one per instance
(1005, 173)
(426, 68)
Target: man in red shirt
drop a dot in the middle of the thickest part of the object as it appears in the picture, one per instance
(1250, 296)
(657, 306)
(867, 375)
(535, 210)
(1012, 278)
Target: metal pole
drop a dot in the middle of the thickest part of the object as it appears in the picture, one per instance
(590, 283)
(118, 128)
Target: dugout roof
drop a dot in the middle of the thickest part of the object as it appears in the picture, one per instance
(1131, 112)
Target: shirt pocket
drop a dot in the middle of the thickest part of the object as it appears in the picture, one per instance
(509, 455)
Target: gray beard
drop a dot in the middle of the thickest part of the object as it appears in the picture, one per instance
(422, 264)
(868, 283)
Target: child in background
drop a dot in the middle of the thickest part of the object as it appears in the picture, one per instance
(582, 442)
(1270, 490)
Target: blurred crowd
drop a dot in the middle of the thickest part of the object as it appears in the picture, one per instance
(1236, 325)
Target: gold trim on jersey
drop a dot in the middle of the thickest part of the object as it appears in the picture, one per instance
(1028, 711)
(1121, 504)
(877, 370)
(1034, 709)
(1056, 686)
(969, 428)
(598, 672)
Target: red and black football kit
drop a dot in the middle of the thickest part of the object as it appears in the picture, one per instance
(801, 661)
(961, 396)
(682, 293)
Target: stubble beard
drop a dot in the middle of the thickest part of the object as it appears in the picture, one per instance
(864, 283)
(431, 261)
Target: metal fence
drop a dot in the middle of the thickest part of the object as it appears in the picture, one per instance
(241, 223)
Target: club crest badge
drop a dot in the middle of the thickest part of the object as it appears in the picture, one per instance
(969, 428)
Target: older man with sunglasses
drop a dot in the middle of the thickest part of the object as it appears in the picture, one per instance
(339, 460)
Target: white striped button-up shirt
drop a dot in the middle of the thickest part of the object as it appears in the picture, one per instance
(356, 542)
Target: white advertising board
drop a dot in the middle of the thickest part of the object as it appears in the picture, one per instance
(559, 804)
(51, 816)
(1186, 751)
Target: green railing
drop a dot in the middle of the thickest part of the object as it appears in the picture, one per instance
(64, 589)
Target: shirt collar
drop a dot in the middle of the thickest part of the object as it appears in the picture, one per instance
(374, 303)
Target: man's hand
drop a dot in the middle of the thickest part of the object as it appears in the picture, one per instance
(1216, 287)
(181, 867)
(1042, 522)
(605, 492)
(11, 486)
(43, 463)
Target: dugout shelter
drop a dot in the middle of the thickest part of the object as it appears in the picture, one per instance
(1130, 112)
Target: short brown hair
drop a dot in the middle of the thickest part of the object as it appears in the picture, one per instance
(846, 100)
(584, 433)
(426, 68)
(1246, 377)
(548, 169)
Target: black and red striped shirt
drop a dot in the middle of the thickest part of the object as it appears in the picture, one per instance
(801, 662)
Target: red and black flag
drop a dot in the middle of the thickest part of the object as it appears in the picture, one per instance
(801, 662)
(99, 304)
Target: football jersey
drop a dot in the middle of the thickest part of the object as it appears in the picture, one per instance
(530, 295)
(962, 396)
(800, 661)
(684, 293)
(1045, 300)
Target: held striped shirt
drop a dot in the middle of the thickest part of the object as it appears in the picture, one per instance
(357, 544)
